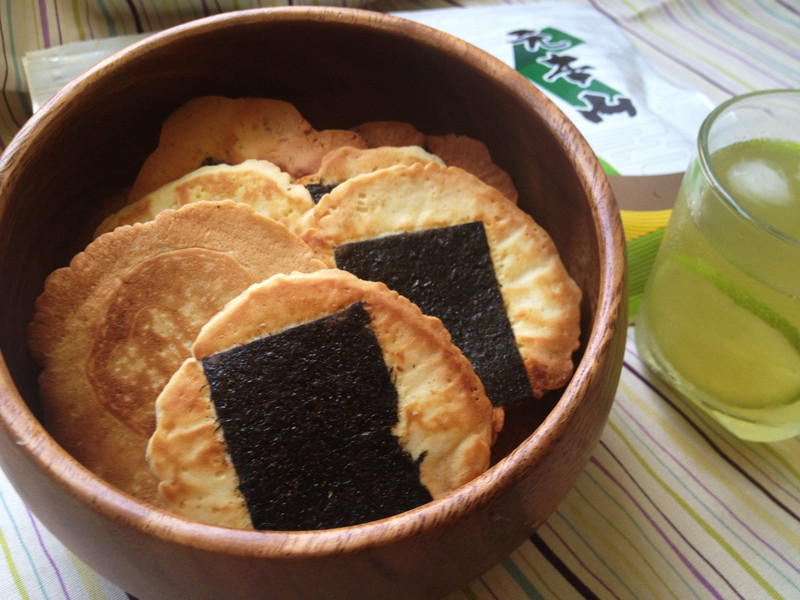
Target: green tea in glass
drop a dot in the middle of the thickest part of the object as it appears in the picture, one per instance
(720, 317)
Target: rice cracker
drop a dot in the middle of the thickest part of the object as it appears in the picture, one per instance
(442, 419)
(112, 327)
(541, 301)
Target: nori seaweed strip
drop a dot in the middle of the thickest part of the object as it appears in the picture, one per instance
(318, 190)
(307, 416)
(448, 273)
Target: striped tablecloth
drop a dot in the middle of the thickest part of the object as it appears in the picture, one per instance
(669, 506)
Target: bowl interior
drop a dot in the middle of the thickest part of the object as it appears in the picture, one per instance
(340, 68)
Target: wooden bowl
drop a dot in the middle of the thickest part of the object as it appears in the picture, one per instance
(340, 68)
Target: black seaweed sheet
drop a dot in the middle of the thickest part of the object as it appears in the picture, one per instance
(307, 416)
(448, 273)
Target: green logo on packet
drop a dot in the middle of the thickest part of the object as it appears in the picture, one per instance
(545, 57)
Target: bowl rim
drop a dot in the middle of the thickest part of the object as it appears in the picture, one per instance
(21, 425)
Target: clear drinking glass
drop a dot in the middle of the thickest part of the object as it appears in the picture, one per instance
(720, 316)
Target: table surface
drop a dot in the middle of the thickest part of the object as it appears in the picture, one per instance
(669, 505)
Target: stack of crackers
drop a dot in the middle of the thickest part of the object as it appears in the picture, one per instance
(286, 328)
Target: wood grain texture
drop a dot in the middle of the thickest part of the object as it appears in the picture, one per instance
(340, 68)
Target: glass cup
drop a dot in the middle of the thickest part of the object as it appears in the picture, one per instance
(720, 316)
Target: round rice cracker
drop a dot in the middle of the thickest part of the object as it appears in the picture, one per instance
(347, 162)
(389, 133)
(258, 183)
(454, 150)
(443, 413)
(216, 129)
(542, 301)
(112, 328)
(472, 155)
